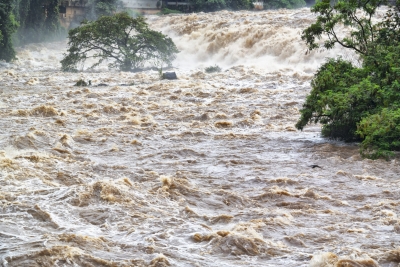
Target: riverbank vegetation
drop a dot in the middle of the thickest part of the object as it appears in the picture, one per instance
(289, 4)
(8, 25)
(32, 21)
(357, 103)
(215, 5)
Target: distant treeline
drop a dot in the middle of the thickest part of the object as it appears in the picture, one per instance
(32, 21)
(215, 5)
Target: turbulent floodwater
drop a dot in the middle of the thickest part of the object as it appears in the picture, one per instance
(207, 170)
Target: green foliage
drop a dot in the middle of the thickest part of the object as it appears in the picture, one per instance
(8, 26)
(357, 103)
(381, 133)
(388, 27)
(31, 16)
(133, 13)
(340, 97)
(208, 5)
(39, 21)
(355, 14)
(239, 4)
(51, 25)
(166, 11)
(215, 5)
(98, 8)
(290, 4)
(127, 42)
(212, 69)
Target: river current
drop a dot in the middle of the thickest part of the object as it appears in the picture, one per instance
(206, 170)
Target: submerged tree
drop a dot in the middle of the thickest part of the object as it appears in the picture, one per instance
(126, 42)
(357, 103)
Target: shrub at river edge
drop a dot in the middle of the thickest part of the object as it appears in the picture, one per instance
(357, 103)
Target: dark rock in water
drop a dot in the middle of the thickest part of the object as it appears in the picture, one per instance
(81, 83)
(203, 117)
(315, 166)
(169, 76)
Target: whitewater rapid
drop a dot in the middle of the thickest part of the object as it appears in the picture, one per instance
(206, 170)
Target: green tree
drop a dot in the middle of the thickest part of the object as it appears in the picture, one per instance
(290, 4)
(215, 5)
(38, 19)
(126, 42)
(98, 8)
(357, 103)
(340, 97)
(380, 133)
(51, 25)
(355, 14)
(8, 26)
(208, 5)
(239, 4)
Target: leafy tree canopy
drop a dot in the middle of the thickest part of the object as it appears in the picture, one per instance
(356, 15)
(357, 103)
(126, 42)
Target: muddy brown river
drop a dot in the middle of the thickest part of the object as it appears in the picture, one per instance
(206, 170)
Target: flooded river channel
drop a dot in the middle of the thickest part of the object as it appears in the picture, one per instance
(206, 170)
